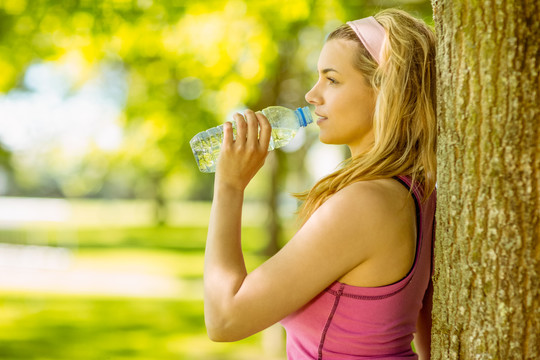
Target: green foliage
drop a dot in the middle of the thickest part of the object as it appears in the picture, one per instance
(182, 66)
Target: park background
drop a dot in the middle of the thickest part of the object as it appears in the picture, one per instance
(103, 212)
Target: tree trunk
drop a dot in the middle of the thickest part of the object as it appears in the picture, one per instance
(487, 255)
(287, 50)
(159, 201)
(273, 225)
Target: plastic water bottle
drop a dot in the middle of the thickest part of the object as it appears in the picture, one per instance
(285, 124)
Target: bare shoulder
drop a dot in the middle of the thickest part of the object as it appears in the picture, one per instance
(376, 197)
(374, 209)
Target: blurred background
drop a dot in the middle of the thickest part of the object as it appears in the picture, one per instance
(103, 211)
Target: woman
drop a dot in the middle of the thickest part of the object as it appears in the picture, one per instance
(354, 281)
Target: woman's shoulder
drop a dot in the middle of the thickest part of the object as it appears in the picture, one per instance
(371, 202)
(369, 219)
(377, 193)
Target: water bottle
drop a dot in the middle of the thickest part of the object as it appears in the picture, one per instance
(285, 124)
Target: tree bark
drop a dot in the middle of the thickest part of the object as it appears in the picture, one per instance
(487, 254)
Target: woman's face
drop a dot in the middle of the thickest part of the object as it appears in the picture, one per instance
(343, 101)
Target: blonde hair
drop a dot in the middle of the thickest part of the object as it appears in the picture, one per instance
(404, 121)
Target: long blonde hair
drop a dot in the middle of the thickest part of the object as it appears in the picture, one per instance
(404, 121)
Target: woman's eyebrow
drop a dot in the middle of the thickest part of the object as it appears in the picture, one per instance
(327, 70)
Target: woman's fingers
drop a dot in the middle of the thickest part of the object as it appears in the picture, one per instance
(241, 128)
(240, 159)
(253, 128)
(265, 130)
(227, 133)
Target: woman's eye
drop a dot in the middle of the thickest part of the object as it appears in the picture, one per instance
(332, 80)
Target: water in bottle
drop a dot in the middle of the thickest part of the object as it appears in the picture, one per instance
(285, 124)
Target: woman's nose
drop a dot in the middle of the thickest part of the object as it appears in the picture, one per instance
(312, 97)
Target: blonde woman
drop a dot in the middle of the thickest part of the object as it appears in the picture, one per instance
(354, 281)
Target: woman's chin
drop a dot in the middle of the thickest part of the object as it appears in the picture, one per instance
(327, 140)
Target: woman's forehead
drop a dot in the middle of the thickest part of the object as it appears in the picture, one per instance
(337, 54)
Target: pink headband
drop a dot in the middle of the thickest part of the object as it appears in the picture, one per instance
(372, 35)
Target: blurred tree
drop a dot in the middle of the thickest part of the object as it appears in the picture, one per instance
(175, 68)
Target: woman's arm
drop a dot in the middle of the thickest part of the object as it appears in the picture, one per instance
(225, 269)
(422, 337)
(342, 233)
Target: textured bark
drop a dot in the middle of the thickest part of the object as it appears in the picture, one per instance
(487, 253)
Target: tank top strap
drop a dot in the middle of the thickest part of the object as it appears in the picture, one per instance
(425, 216)
(416, 192)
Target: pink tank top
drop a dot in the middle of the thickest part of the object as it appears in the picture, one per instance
(349, 322)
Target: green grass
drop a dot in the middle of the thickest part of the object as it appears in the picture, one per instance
(178, 238)
(101, 328)
(49, 325)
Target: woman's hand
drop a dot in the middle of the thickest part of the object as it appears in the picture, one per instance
(240, 159)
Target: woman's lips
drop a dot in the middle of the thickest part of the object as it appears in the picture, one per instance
(321, 119)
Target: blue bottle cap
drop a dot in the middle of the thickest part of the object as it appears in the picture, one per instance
(304, 115)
